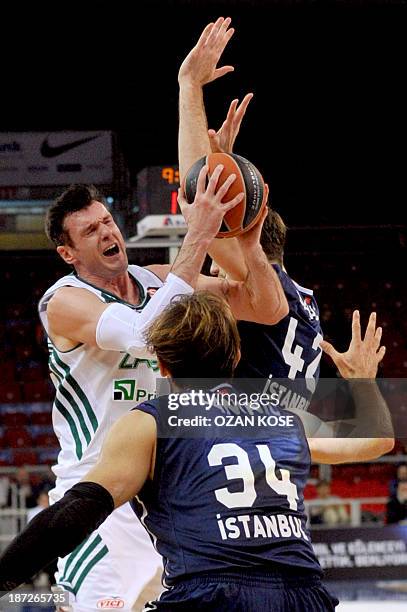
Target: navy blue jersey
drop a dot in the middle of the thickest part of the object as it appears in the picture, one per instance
(289, 349)
(225, 503)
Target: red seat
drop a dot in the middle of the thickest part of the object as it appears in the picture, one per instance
(46, 439)
(37, 391)
(360, 488)
(34, 373)
(8, 371)
(378, 509)
(11, 419)
(41, 418)
(382, 471)
(24, 457)
(10, 393)
(17, 437)
(310, 491)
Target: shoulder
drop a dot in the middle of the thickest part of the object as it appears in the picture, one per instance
(148, 408)
(70, 282)
(135, 431)
(65, 281)
(159, 271)
(65, 295)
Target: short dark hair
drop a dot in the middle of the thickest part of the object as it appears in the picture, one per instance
(273, 237)
(196, 337)
(75, 198)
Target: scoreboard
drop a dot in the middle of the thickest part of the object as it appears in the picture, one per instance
(157, 190)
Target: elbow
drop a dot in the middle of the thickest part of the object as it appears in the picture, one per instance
(277, 314)
(386, 446)
(283, 310)
(381, 447)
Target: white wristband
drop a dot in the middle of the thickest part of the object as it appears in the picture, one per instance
(121, 328)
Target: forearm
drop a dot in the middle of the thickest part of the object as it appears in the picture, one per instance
(229, 257)
(193, 139)
(54, 532)
(372, 433)
(373, 418)
(263, 288)
(191, 257)
(332, 451)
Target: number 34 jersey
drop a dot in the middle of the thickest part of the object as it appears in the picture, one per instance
(226, 503)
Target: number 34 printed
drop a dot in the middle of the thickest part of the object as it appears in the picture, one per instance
(243, 470)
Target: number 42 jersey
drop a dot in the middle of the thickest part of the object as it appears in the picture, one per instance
(288, 350)
(224, 503)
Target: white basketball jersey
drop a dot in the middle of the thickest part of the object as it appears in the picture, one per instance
(94, 387)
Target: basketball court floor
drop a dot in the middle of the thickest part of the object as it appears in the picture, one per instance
(361, 596)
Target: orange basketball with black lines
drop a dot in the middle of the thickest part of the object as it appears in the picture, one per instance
(246, 213)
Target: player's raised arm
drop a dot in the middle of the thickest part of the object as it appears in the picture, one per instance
(260, 297)
(199, 68)
(194, 140)
(372, 433)
(228, 254)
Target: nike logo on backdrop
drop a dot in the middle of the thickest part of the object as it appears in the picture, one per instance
(48, 150)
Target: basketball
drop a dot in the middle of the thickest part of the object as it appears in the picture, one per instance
(246, 213)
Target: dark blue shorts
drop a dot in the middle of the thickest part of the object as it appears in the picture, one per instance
(247, 592)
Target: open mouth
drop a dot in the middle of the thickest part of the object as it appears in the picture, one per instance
(112, 250)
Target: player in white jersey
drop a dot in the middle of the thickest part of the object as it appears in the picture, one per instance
(95, 319)
(94, 387)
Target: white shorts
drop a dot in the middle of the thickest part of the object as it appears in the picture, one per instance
(114, 563)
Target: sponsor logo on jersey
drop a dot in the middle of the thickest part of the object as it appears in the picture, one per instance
(306, 303)
(110, 603)
(125, 389)
(131, 363)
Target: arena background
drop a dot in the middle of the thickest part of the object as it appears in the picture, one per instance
(327, 128)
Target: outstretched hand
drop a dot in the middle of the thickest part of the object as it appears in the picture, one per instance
(200, 65)
(223, 140)
(362, 358)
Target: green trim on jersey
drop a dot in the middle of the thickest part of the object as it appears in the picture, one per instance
(70, 399)
(79, 391)
(111, 297)
(102, 553)
(54, 371)
(79, 571)
(51, 347)
(78, 445)
(72, 557)
(88, 549)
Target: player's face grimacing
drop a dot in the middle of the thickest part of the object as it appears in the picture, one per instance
(97, 243)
